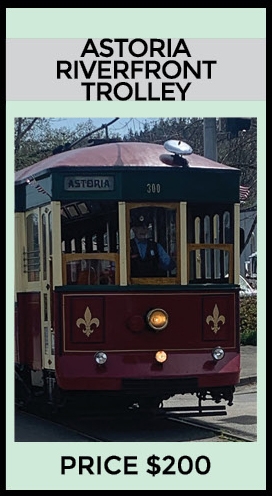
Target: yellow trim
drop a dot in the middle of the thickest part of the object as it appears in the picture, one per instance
(213, 246)
(183, 243)
(122, 243)
(56, 244)
(20, 242)
(237, 243)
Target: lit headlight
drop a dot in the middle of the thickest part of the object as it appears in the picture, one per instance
(218, 353)
(100, 357)
(161, 356)
(157, 319)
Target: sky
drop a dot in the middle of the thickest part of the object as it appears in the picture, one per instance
(121, 126)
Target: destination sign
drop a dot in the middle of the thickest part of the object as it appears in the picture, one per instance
(89, 183)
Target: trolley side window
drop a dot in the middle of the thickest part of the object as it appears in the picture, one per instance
(210, 244)
(90, 243)
(152, 253)
(32, 253)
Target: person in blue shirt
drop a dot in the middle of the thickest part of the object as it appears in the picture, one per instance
(147, 258)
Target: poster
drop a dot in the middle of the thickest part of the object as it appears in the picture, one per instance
(43, 44)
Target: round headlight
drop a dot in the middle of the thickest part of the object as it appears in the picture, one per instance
(157, 319)
(161, 356)
(100, 357)
(218, 353)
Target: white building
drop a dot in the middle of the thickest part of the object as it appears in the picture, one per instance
(248, 258)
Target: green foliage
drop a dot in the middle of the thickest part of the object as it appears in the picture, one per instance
(249, 337)
(248, 320)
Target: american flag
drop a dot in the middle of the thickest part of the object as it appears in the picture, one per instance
(244, 193)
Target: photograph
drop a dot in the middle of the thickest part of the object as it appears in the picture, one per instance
(136, 279)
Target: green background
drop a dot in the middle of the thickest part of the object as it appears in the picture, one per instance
(234, 466)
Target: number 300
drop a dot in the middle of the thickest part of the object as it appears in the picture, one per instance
(153, 188)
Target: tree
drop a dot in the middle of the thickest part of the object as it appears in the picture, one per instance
(37, 138)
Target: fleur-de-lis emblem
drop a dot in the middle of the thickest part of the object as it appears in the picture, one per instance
(215, 318)
(88, 322)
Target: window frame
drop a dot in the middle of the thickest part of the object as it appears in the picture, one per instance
(171, 280)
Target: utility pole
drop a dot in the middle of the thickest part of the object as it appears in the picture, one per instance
(210, 144)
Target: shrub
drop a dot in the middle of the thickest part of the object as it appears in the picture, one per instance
(248, 320)
(248, 337)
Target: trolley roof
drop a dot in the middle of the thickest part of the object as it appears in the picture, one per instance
(121, 154)
(121, 171)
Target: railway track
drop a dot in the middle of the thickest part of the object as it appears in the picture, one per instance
(223, 435)
(130, 426)
(209, 431)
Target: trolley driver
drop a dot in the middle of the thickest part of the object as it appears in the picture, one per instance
(147, 258)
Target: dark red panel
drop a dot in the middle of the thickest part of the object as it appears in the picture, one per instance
(81, 371)
(29, 330)
(117, 322)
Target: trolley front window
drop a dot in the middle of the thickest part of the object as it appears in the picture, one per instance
(210, 243)
(153, 243)
(90, 243)
(113, 243)
(94, 240)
